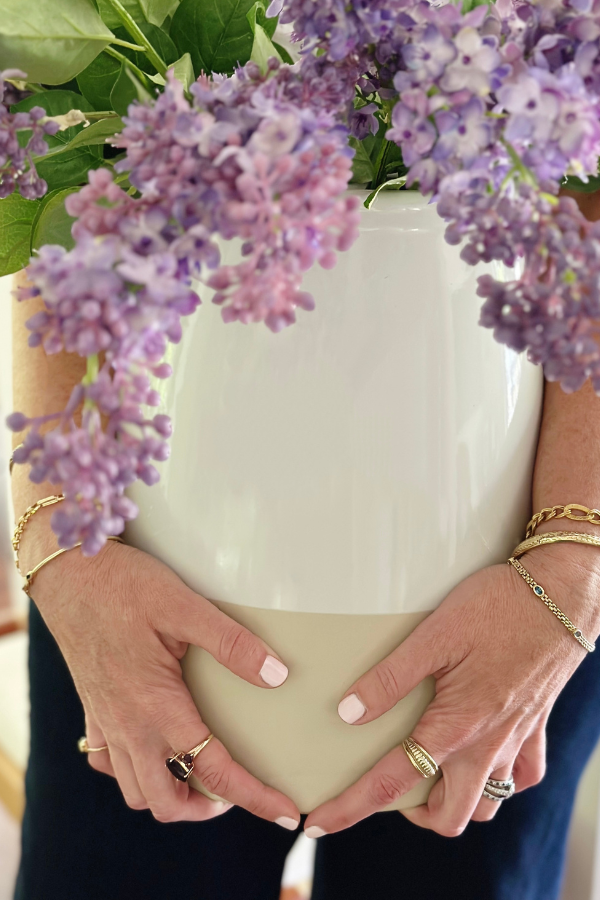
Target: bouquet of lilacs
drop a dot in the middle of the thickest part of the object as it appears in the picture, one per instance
(184, 144)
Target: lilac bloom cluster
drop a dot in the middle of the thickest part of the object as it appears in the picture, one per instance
(491, 109)
(247, 159)
(17, 170)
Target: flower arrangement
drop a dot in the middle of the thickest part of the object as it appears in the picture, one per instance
(156, 128)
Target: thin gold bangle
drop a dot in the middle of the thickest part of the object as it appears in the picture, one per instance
(539, 592)
(555, 537)
(29, 577)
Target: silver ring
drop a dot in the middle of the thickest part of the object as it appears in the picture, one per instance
(499, 790)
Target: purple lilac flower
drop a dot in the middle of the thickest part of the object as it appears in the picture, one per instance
(248, 159)
(17, 169)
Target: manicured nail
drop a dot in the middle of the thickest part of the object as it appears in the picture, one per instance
(313, 831)
(351, 709)
(273, 672)
(220, 806)
(287, 822)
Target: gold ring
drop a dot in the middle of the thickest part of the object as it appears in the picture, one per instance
(420, 758)
(181, 765)
(84, 747)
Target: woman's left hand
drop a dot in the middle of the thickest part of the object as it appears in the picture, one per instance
(500, 659)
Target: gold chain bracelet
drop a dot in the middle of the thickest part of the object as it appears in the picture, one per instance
(27, 515)
(572, 511)
(555, 537)
(539, 591)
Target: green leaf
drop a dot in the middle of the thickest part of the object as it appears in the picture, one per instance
(97, 81)
(68, 168)
(123, 92)
(216, 33)
(258, 16)
(110, 18)
(576, 184)
(394, 184)
(97, 133)
(363, 171)
(262, 47)
(53, 224)
(16, 221)
(284, 54)
(156, 11)
(161, 42)
(184, 71)
(57, 103)
(52, 41)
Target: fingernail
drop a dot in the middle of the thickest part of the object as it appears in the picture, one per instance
(273, 672)
(313, 831)
(287, 822)
(220, 806)
(351, 709)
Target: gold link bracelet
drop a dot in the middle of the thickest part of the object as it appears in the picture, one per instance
(27, 515)
(539, 592)
(572, 511)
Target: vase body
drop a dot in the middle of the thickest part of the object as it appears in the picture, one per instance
(329, 485)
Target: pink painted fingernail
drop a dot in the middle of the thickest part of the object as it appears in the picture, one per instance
(273, 672)
(313, 831)
(287, 822)
(351, 709)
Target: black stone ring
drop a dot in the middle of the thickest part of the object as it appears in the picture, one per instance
(181, 765)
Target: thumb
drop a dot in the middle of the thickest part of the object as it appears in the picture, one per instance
(199, 622)
(379, 689)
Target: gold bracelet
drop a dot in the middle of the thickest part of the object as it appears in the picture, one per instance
(11, 460)
(29, 577)
(555, 537)
(22, 523)
(539, 591)
(584, 514)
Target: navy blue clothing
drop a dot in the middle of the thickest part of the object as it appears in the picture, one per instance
(81, 842)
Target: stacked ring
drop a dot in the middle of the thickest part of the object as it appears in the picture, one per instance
(499, 790)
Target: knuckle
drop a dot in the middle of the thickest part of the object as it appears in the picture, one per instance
(165, 814)
(387, 681)
(236, 644)
(386, 789)
(215, 779)
(137, 803)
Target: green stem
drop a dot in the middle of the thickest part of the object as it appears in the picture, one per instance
(138, 35)
(92, 369)
(380, 170)
(136, 71)
(128, 45)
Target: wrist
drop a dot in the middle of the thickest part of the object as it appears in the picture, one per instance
(570, 575)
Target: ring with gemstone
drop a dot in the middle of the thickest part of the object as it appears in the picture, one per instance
(499, 790)
(181, 765)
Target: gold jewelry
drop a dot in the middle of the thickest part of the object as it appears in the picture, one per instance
(499, 790)
(11, 461)
(555, 537)
(539, 591)
(583, 514)
(27, 515)
(181, 765)
(29, 577)
(84, 747)
(420, 758)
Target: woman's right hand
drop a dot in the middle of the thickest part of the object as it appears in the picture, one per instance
(123, 620)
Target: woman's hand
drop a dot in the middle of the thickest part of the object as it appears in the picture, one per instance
(123, 620)
(500, 659)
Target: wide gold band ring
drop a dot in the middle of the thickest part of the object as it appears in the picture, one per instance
(84, 747)
(181, 765)
(423, 762)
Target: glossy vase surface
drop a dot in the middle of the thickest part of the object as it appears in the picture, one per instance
(329, 485)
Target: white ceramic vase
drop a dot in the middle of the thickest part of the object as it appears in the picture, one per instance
(329, 485)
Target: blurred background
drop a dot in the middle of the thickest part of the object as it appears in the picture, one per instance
(582, 880)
